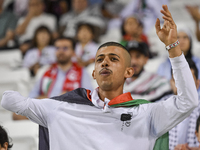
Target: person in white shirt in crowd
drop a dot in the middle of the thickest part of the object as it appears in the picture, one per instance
(144, 84)
(43, 51)
(86, 47)
(184, 132)
(147, 11)
(81, 12)
(101, 120)
(35, 17)
(62, 76)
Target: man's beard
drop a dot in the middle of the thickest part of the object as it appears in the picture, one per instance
(138, 74)
(63, 61)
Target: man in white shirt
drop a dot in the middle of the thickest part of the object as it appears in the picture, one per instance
(35, 18)
(95, 121)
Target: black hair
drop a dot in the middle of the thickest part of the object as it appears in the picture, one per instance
(94, 30)
(113, 44)
(193, 66)
(197, 124)
(88, 25)
(4, 138)
(39, 29)
(67, 38)
(189, 52)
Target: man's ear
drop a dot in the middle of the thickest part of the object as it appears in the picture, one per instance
(94, 75)
(129, 72)
(5, 145)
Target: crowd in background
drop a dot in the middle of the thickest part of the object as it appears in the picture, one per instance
(65, 34)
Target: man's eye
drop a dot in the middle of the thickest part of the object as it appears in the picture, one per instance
(99, 60)
(114, 59)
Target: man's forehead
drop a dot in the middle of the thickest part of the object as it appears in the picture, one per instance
(110, 49)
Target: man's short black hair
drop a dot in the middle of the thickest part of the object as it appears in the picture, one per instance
(112, 44)
(67, 38)
(197, 124)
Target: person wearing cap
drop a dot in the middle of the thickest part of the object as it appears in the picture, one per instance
(144, 84)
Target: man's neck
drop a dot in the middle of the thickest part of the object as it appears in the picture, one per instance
(41, 48)
(65, 67)
(110, 94)
(83, 45)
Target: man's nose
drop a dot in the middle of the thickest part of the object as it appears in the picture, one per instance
(105, 63)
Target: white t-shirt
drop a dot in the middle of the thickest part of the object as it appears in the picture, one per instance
(46, 57)
(44, 19)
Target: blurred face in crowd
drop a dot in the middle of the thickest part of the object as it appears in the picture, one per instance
(43, 38)
(36, 6)
(172, 82)
(84, 34)
(131, 26)
(112, 67)
(64, 51)
(79, 5)
(138, 60)
(184, 42)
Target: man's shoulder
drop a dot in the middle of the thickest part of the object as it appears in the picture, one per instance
(78, 96)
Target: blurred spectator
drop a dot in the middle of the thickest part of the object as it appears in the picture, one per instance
(132, 29)
(63, 76)
(42, 53)
(194, 11)
(86, 48)
(185, 39)
(20, 7)
(184, 132)
(147, 10)
(35, 18)
(4, 140)
(111, 8)
(7, 27)
(81, 12)
(57, 7)
(143, 84)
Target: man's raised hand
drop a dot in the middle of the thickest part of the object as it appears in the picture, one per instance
(168, 33)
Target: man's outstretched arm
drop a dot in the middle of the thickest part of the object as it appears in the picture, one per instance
(35, 109)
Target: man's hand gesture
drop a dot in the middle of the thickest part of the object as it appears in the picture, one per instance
(168, 33)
